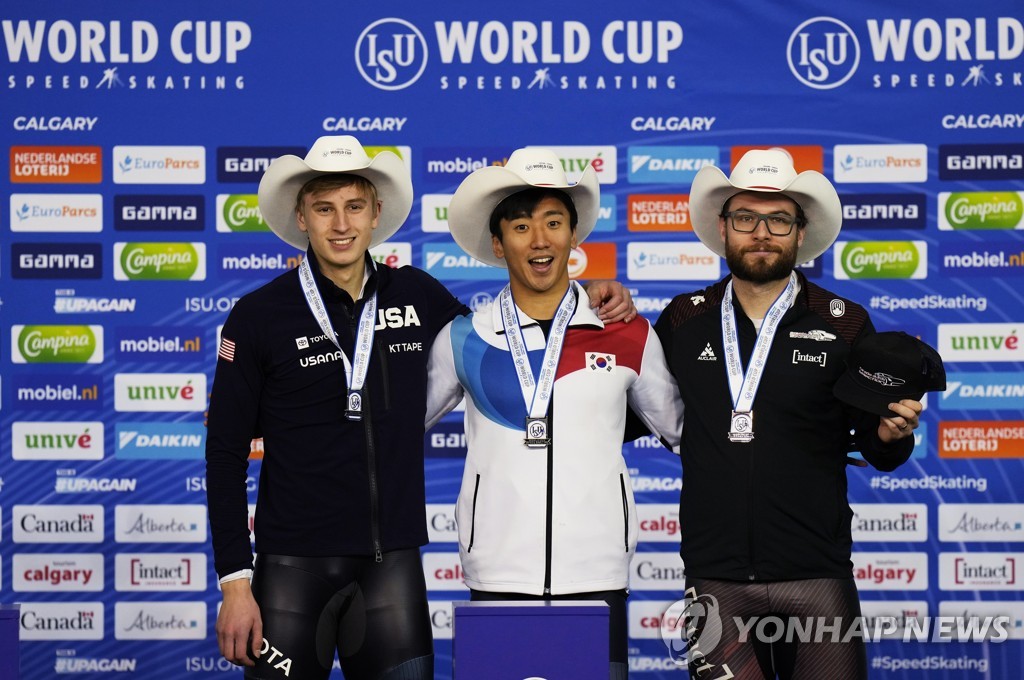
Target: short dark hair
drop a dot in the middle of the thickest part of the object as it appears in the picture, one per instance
(523, 203)
(801, 217)
(338, 180)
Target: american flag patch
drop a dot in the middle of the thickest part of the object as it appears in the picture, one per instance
(227, 350)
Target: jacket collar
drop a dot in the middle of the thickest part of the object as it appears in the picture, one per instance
(583, 316)
(330, 290)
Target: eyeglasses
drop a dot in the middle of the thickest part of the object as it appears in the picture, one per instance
(746, 222)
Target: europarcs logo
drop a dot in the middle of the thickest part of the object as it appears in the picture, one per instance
(391, 54)
(823, 53)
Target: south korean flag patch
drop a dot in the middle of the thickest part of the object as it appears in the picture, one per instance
(600, 362)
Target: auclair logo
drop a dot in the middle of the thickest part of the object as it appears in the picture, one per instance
(56, 344)
(143, 572)
(160, 261)
(160, 523)
(971, 522)
(881, 259)
(875, 163)
(891, 571)
(981, 161)
(883, 211)
(159, 165)
(160, 441)
(56, 261)
(890, 522)
(658, 212)
(160, 392)
(671, 261)
(57, 440)
(43, 572)
(657, 571)
(575, 159)
(443, 571)
(246, 164)
(155, 212)
(669, 164)
(239, 212)
(980, 342)
(160, 620)
(823, 53)
(447, 260)
(45, 213)
(58, 523)
(982, 391)
(980, 571)
(391, 54)
(970, 210)
(61, 621)
(56, 164)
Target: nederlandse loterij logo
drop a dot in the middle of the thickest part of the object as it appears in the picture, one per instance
(981, 210)
(239, 212)
(881, 259)
(823, 53)
(160, 261)
(40, 344)
(391, 54)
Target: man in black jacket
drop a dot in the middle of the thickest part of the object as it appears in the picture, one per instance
(765, 521)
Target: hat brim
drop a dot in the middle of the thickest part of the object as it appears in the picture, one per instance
(855, 394)
(282, 180)
(811, 190)
(469, 213)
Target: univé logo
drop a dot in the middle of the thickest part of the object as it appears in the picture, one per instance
(56, 344)
(981, 210)
(881, 259)
(391, 54)
(823, 53)
(160, 261)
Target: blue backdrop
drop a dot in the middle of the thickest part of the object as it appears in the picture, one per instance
(136, 135)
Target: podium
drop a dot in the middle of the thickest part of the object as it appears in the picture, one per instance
(10, 628)
(559, 640)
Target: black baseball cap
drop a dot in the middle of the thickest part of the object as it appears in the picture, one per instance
(885, 367)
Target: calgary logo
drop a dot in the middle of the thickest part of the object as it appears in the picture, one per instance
(391, 54)
(823, 53)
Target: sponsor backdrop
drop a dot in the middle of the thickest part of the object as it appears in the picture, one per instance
(134, 139)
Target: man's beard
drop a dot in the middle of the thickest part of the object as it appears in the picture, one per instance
(762, 271)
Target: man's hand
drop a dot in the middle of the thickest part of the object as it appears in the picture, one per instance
(239, 625)
(903, 423)
(612, 301)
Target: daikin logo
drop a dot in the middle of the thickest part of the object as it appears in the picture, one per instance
(238, 213)
(448, 260)
(57, 344)
(981, 210)
(881, 259)
(160, 261)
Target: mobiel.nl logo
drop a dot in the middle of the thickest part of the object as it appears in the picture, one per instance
(981, 210)
(42, 344)
(881, 259)
(160, 261)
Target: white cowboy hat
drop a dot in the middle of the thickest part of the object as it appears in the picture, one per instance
(769, 171)
(280, 185)
(469, 213)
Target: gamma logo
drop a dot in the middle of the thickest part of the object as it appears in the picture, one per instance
(881, 259)
(823, 53)
(159, 261)
(391, 54)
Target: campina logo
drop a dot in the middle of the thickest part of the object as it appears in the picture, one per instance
(391, 54)
(823, 53)
(56, 212)
(981, 210)
(881, 259)
(159, 165)
(160, 261)
(239, 212)
(43, 344)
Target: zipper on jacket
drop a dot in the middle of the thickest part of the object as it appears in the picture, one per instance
(472, 518)
(550, 494)
(625, 511)
(382, 355)
(371, 459)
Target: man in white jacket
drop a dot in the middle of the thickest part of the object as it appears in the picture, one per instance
(546, 508)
